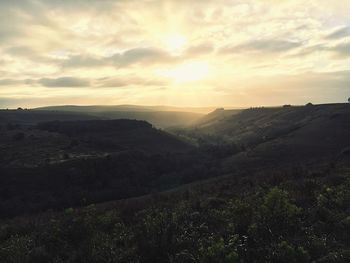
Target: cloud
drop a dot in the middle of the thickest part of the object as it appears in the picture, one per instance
(263, 46)
(100, 5)
(64, 82)
(315, 87)
(9, 82)
(340, 33)
(309, 50)
(7, 33)
(21, 51)
(341, 50)
(124, 59)
(142, 55)
(128, 81)
(27, 53)
(62, 43)
(81, 61)
(21, 21)
(202, 49)
(106, 82)
(13, 82)
(324, 82)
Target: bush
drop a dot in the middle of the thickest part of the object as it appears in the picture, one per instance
(278, 214)
(287, 253)
(16, 249)
(18, 136)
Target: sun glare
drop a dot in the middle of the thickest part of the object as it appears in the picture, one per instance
(174, 42)
(191, 71)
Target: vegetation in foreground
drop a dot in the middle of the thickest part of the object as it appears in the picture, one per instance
(297, 218)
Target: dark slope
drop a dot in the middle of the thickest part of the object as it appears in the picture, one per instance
(30, 117)
(112, 135)
(68, 163)
(59, 141)
(280, 136)
(161, 119)
(160, 116)
(215, 117)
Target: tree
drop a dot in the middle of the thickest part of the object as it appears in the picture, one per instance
(278, 216)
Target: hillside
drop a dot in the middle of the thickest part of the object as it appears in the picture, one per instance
(54, 141)
(118, 134)
(132, 108)
(159, 116)
(31, 117)
(215, 117)
(300, 134)
(94, 160)
(160, 119)
(261, 185)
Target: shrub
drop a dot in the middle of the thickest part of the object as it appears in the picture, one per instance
(287, 253)
(16, 249)
(18, 136)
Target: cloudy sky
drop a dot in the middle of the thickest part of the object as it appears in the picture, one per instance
(174, 52)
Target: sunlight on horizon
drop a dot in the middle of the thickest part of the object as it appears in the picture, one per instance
(187, 72)
(256, 52)
(174, 42)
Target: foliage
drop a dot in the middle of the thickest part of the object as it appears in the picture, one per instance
(265, 225)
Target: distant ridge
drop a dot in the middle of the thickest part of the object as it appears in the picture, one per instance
(159, 116)
(125, 107)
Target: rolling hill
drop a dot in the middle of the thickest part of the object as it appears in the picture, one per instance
(261, 185)
(110, 108)
(281, 135)
(102, 160)
(159, 116)
(118, 134)
(31, 117)
(69, 163)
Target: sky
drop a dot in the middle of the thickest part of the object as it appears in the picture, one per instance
(174, 52)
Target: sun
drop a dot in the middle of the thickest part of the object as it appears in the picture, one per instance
(174, 41)
(187, 72)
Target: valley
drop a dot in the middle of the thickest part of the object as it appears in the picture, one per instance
(227, 166)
